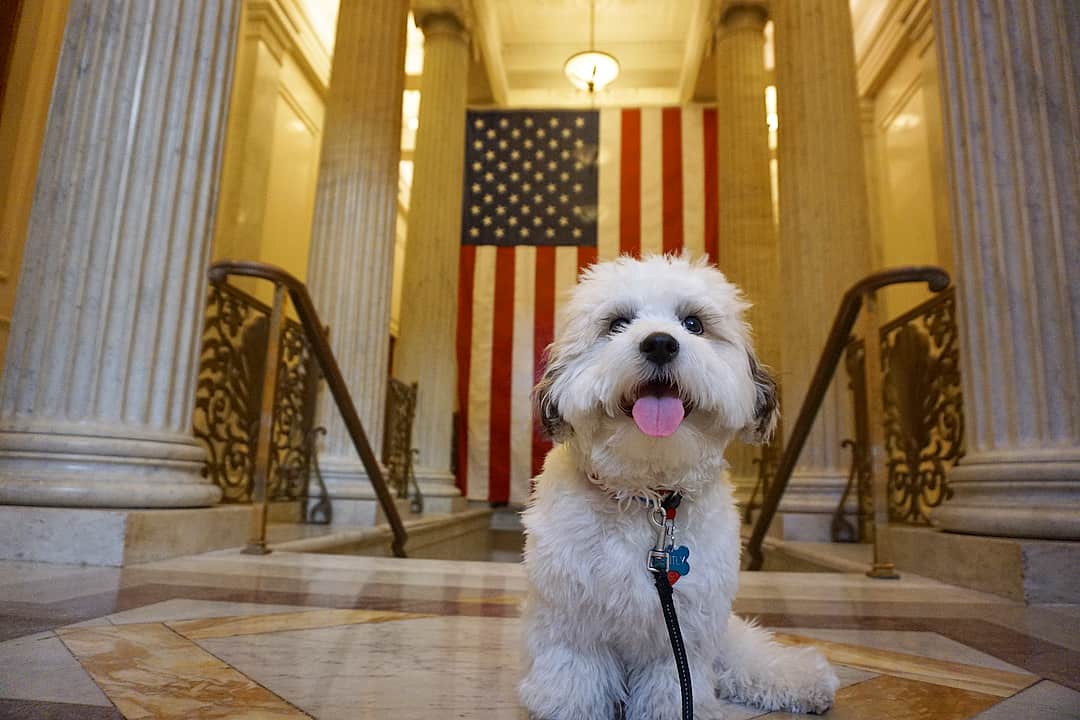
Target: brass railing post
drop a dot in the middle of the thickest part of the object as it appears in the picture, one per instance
(257, 537)
(883, 566)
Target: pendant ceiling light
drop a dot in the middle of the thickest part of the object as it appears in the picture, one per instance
(591, 70)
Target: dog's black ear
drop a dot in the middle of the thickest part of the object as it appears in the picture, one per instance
(766, 403)
(551, 420)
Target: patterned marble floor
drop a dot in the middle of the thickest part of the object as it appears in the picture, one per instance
(287, 635)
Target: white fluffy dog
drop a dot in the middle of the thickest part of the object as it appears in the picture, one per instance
(650, 378)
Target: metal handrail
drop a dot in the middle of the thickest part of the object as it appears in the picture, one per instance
(936, 280)
(320, 347)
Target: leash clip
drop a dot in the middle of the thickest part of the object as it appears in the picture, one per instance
(659, 559)
(665, 557)
(659, 519)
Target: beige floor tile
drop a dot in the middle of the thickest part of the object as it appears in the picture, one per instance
(1043, 701)
(914, 667)
(39, 667)
(893, 698)
(280, 622)
(921, 643)
(148, 671)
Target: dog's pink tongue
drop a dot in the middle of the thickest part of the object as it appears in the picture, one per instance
(658, 416)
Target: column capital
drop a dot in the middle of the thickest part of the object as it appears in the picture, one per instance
(741, 15)
(443, 17)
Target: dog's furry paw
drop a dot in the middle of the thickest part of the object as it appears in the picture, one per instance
(618, 711)
(798, 680)
(812, 690)
(814, 686)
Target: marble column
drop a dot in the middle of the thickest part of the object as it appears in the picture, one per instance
(350, 267)
(824, 234)
(1009, 79)
(99, 379)
(425, 351)
(749, 254)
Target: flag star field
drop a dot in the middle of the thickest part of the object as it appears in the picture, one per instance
(530, 178)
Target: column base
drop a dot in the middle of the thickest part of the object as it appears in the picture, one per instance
(1032, 571)
(348, 512)
(1022, 496)
(441, 495)
(352, 498)
(117, 537)
(807, 507)
(62, 469)
(346, 479)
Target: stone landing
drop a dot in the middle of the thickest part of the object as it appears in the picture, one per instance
(117, 537)
(1031, 571)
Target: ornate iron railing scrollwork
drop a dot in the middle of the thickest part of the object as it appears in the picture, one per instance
(399, 455)
(859, 475)
(229, 391)
(924, 419)
(294, 417)
(842, 529)
(923, 406)
(936, 280)
(316, 346)
(319, 511)
(397, 434)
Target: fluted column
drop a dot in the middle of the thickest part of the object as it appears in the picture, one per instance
(824, 232)
(98, 387)
(749, 254)
(425, 350)
(1009, 88)
(350, 267)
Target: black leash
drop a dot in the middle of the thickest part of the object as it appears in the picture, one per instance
(659, 565)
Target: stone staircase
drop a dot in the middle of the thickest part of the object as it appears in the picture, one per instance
(475, 533)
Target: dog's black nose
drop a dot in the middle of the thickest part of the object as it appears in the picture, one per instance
(659, 348)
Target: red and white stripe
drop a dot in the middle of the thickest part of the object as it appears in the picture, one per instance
(657, 193)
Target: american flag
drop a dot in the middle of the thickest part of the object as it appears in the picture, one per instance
(547, 193)
(530, 178)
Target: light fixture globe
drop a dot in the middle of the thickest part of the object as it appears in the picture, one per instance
(591, 70)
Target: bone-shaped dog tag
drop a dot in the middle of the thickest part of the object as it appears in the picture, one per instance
(678, 563)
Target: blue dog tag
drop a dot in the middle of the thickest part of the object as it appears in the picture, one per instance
(679, 560)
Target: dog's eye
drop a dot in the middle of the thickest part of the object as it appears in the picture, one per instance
(618, 325)
(693, 324)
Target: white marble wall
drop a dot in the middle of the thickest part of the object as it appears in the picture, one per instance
(98, 386)
(1010, 78)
